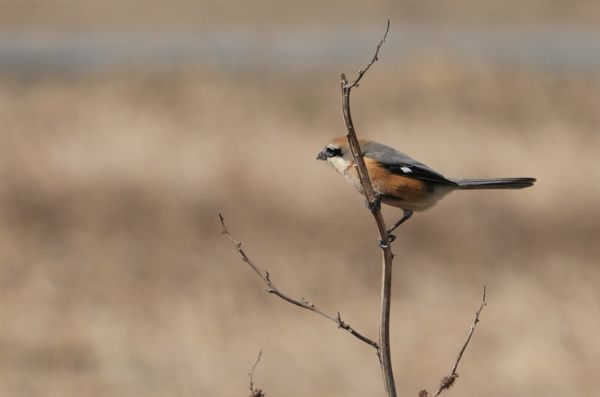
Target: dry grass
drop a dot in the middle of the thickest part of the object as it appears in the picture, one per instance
(115, 279)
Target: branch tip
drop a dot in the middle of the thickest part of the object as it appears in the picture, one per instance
(341, 323)
(222, 219)
(484, 292)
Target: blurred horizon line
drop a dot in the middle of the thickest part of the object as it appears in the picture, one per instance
(549, 48)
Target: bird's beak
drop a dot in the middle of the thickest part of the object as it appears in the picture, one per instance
(321, 156)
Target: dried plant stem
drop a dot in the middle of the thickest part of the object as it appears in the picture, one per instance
(373, 202)
(255, 392)
(303, 303)
(449, 380)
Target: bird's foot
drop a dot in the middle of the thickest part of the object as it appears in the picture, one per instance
(383, 244)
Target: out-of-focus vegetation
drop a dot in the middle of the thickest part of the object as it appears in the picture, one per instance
(115, 279)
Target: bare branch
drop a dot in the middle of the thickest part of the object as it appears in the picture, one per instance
(373, 202)
(449, 380)
(255, 392)
(303, 303)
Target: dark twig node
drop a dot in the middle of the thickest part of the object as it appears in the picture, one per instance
(375, 205)
(257, 393)
(448, 381)
(303, 302)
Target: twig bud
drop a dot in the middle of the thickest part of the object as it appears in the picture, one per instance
(448, 381)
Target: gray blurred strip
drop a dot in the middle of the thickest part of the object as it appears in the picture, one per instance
(551, 48)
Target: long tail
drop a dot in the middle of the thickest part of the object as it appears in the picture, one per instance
(500, 183)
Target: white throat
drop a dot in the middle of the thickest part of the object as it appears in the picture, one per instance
(340, 165)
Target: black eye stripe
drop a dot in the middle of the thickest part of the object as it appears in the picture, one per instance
(332, 152)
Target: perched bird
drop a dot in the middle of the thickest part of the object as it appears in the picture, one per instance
(401, 181)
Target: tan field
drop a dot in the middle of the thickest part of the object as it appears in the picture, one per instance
(116, 280)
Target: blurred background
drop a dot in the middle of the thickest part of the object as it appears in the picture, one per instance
(127, 126)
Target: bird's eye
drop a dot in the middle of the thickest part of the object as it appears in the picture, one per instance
(332, 152)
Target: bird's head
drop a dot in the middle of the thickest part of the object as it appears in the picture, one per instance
(337, 154)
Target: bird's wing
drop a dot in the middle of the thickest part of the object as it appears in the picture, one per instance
(399, 163)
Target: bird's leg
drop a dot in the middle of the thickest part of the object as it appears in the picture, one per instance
(405, 217)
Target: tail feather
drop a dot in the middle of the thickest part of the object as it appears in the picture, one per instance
(500, 183)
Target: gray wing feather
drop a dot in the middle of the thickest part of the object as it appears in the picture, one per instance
(399, 163)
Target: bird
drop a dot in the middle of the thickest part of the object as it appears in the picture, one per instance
(401, 181)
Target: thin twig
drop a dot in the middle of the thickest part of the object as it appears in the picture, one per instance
(472, 330)
(373, 202)
(449, 380)
(303, 303)
(375, 58)
(255, 392)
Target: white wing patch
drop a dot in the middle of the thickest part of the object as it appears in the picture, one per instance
(406, 169)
